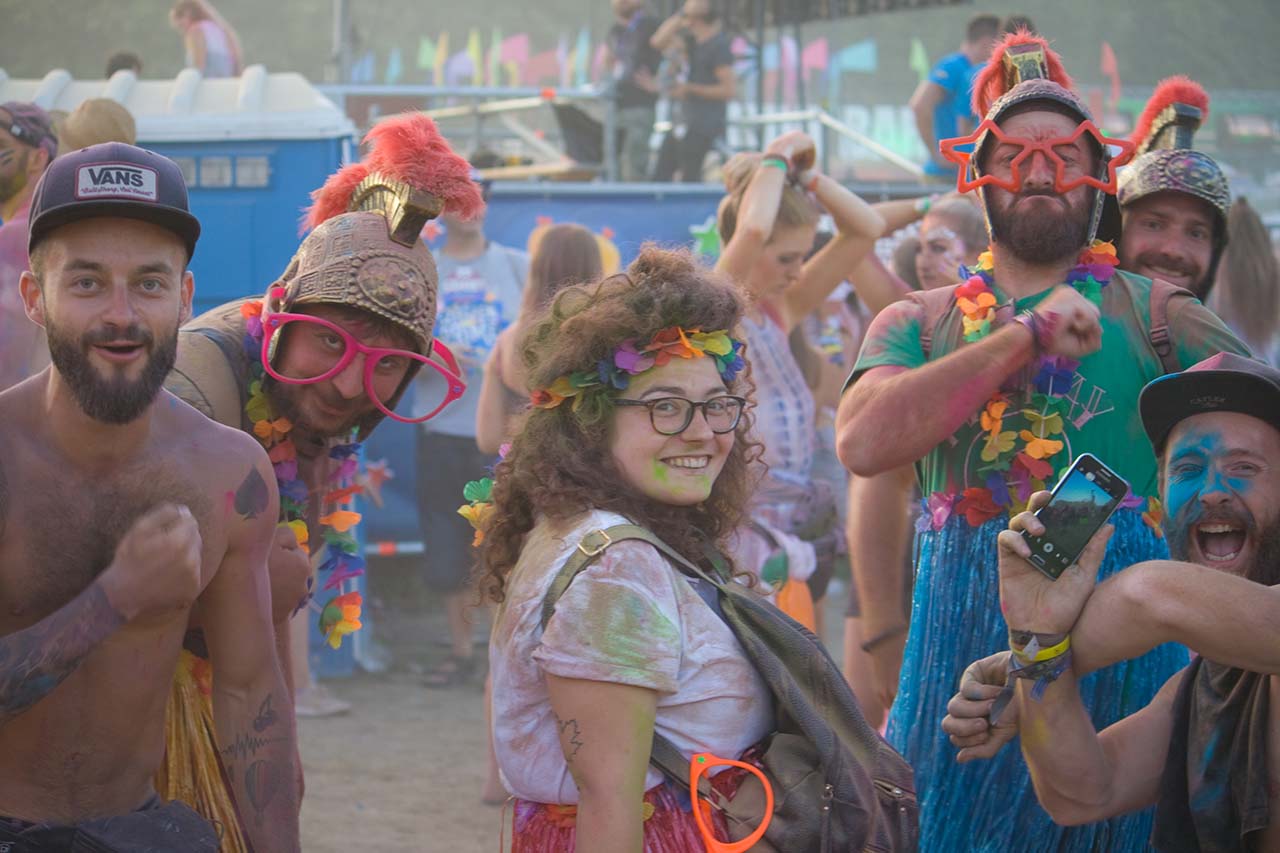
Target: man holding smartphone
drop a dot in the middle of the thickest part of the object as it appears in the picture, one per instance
(1206, 750)
(992, 387)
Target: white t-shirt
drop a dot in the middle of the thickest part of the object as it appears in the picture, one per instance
(629, 618)
(478, 299)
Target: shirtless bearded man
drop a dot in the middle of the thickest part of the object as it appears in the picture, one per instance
(122, 511)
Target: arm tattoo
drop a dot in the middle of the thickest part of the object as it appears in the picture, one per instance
(251, 497)
(264, 777)
(569, 729)
(37, 659)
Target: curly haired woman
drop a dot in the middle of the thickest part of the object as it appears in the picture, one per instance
(639, 417)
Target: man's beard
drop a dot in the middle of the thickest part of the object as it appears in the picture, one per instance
(1200, 280)
(112, 400)
(284, 403)
(1265, 567)
(1042, 237)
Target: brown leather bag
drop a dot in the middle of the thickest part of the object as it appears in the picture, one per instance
(837, 785)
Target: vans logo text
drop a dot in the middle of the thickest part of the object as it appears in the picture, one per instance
(116, 180)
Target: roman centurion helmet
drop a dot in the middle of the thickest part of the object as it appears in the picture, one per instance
(1024, 74)
(365, 249)
(1165, 161)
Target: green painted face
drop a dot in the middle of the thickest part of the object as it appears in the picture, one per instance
(672, 469)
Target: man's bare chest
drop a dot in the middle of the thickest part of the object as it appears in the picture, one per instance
(61, 530)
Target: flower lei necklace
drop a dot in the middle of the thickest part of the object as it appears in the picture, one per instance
(1019, 445)
(341, 615)
(615, 372)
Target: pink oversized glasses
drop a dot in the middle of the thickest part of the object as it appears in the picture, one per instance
(320, 350)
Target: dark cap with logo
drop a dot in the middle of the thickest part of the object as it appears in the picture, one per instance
(1225, 382)
(113, 179)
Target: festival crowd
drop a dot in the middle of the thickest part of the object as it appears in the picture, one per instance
(647, 459)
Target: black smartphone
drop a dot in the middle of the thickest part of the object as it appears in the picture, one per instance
(1082, 502)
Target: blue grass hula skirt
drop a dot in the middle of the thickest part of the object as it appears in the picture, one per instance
(955, 620)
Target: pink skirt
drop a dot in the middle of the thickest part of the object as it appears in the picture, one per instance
(669, 825)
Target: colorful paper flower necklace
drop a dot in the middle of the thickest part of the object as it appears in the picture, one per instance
(615, 372)
(341, 615)
(1019, 457)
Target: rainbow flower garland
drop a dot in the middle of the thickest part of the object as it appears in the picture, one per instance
(341, 615)
(1020, 445)
(615, 372)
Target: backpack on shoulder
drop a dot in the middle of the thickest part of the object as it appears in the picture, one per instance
(837, 785)
(937, 303)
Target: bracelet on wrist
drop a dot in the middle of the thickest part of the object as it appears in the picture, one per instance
(924, 203)
(1037, 648)
(1031, 321)
(776, 160)
(883, 637)
(1042, 673)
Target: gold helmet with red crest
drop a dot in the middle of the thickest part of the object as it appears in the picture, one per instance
(1166, 162)
(365, 249)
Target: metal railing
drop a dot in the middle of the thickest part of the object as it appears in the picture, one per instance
(504, 102)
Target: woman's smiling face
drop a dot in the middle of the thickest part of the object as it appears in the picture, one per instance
(672, 469)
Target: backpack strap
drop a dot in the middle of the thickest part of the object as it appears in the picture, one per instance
(664, 755)
(594, 544)
(1162, 293)
(936, 304)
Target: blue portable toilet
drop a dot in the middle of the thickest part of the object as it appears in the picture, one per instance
(252, 149)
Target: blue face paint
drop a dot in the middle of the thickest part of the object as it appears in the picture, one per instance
(1198, 466)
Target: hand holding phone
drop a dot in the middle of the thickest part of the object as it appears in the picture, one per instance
(1043, 589)
(1080, 504)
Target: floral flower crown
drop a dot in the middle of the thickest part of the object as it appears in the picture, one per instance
(615, 372)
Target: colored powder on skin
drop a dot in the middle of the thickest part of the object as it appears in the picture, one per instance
(1195, 470)
(660, 472)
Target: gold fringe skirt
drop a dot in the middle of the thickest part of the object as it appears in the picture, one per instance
(191, 771)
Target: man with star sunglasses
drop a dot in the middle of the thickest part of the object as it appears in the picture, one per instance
(991, 387)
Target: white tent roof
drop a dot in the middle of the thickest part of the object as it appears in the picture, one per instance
(189, 108)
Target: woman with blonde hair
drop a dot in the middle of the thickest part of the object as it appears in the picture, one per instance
(767, 223)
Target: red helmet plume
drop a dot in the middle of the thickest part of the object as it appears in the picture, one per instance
(994, 80)
(1171, 90)
(407, 148)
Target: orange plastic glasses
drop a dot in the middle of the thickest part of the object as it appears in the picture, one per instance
(1122, 152)
(698, 765)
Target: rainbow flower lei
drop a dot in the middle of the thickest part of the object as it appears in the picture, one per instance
(615, 372)
(1020, 446)
(341, 615)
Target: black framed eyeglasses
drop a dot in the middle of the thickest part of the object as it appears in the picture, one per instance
(672, 415)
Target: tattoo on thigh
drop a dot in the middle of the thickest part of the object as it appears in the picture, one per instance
(569, 729)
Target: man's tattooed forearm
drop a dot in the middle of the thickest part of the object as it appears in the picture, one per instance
(246, 744)
(262, 782)
(37, 659)
(570, 738)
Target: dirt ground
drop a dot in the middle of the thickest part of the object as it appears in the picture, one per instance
(401, 773)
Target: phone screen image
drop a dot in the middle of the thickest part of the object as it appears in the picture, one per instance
(1081, 504)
